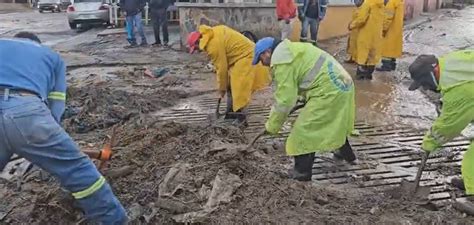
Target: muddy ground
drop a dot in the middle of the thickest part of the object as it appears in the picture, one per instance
(169, 172)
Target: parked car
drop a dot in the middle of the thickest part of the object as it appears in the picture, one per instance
(87, 11)
(52, 5)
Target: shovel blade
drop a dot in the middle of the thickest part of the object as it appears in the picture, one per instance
(406, 192)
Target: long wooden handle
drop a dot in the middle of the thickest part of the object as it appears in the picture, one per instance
(424, 158)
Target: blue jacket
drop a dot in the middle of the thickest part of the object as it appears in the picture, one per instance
(27, 65)
(323, 4)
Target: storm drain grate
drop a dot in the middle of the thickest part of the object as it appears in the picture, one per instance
(387, 154)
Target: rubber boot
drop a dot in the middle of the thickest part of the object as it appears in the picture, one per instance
(370, 70)
(386, 65)
(360, 74)
(465, 205)
(458, 183)
(393, 64)
(345, 153)
(303, 168)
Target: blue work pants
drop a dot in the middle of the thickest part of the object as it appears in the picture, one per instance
(28, 129)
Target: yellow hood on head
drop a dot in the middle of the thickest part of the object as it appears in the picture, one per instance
(207, 34)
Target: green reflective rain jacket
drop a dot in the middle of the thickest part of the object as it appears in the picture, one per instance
(300, 69)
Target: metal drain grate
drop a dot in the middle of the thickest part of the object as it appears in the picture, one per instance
(387, 154)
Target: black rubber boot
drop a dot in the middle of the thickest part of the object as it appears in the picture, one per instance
(360, 74)
(303, 168)
(458, 183)
(393, 64)
(370, 70)
(386, 65)
(345, 153)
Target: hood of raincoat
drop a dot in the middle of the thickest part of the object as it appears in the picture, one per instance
(286, 53)
(207, 34)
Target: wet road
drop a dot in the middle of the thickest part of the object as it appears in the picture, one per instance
(386, 98)
(52, 28)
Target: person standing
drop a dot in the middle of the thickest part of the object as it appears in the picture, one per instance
(313, 13)
(159, 17)
(32, 101)
(392, 34)
(327, 118)
(352, 39)
(133, 15)
(286, 14)
(369, 25)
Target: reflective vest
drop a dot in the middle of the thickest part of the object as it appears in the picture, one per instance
(456, 68)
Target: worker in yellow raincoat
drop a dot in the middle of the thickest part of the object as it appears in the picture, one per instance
(392, 34)
(369, 23)
(327, 118)
(352, 40)
(453, 76)
(231, 54)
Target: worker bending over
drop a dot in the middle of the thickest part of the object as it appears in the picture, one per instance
(369, 25)
(32, 101)
(453, 76)
(392, 34)
(231, 53)
(327, 119)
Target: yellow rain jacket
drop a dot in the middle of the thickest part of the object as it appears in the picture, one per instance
(327, 119)
(232, 53)
(352, 41)
(393, 29)
(369, 23)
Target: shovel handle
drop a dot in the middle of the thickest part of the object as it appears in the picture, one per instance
(255, 139)
(424, 158)
(218, 107)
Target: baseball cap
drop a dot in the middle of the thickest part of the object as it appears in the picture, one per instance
(261, 46)
(193, 37)
(421, 70)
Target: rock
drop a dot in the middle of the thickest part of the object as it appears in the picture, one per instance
(204, 192)
(174, 180)
(374, 210)
(171, 205)
(223, 188)
(191, 217)
(135, 211)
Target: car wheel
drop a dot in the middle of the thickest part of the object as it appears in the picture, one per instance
(73, 25)
(58, 10)
(40, 11)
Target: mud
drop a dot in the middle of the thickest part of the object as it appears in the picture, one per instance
(170, 173)
(175, 178)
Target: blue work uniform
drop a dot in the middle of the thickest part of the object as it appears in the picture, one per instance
(32, 101)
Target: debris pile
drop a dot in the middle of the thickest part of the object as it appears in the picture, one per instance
(100, 106)
(167, 173)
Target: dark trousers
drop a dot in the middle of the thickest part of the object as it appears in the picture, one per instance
(303, 168)
(159, 19)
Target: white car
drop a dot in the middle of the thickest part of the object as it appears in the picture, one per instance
(87, 11)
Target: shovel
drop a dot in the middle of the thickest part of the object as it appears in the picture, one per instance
(263, 132)
(412, 190)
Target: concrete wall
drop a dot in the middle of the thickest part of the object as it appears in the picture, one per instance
(413, 8)
(257, 18)
(431, 5)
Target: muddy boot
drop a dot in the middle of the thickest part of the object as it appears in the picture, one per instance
(465, 205)
(345, 153)
(370, 70)
(386, 65)
(303, 168)
(360, 74)
(458, 183)
(393, 64)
